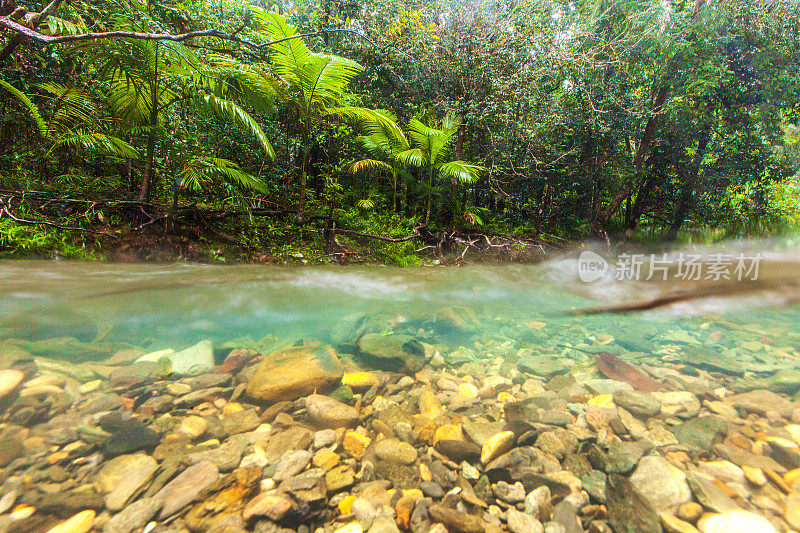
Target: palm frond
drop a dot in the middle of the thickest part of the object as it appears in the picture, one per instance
(461, 170)
(227, 108)
(324, 78)
(370, 165)
(380, 125)
(290, 55)
(29, 105)
(432, 141)
(99, 143)
(415, 157)
(199, 171)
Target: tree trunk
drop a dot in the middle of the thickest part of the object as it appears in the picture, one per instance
(301, 206)
(687, 196)
(638, 162)
(430, 192)
(150, 155)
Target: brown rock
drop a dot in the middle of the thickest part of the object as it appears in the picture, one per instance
(292, 373)
(457, 521)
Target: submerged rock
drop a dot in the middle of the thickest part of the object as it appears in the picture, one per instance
(324, 412)
(394, 351)
(292, 373)
(192, 360)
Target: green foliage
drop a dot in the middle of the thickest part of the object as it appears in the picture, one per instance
(18, 240)
(546, 107)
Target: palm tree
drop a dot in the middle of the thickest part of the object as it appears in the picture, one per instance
(147, 78)
(431, 149)
(383, 141)
(314, 83)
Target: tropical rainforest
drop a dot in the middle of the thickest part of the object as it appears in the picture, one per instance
(393, 131)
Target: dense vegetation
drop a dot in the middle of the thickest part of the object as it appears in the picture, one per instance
(283, 127)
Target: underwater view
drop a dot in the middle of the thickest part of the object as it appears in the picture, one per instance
(588, 393)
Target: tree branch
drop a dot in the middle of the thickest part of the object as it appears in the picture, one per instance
(40, 38)
(5, 211)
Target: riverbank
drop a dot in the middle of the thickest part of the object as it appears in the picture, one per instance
(442, 423)
(125, 231)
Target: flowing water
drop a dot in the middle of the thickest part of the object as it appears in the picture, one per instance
(101, 360)
(175, 306)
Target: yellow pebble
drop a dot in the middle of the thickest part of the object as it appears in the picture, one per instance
(346, 505)
(56, 457)
(22, 511)
(413, 493)
(505, 397)
(355, 443)
(360, 380)
(231, 408)
(425, 472)
(794, 431)
(601, 400)
(468, 390)
(792, 477)
(79, 523)
(352, 527)
(448, 432)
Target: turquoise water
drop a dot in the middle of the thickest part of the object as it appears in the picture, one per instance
(109, 306)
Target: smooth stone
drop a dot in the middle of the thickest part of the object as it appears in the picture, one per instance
(182, 490)
(639, 404)
(605, 386)
(636, 503)
(131, 437)
(194, 426)
(760, 401)
(79, 523)
(339, 478)
(133, 516)
(458, 450)
(537, 502)
(682, 404)
(735, 522)
(292, 373)
(509, 493)
(710, 495)
(123, 476)
(291, 464)
(701, 432)
(743, 458)
(429, 405)
(273, 506)
(393, 351)
(9, 380)
(395, 451)
(673, 524)
(456, 520)
(565, 514)
(497, 446)
(519, 522)
(324, 412)
(192, 360)
(225, 457)
(324, 437)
